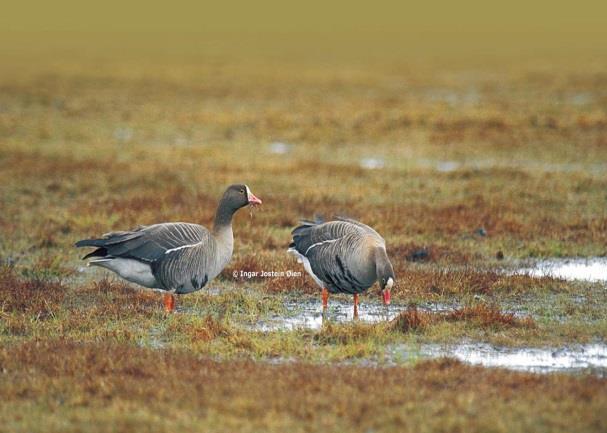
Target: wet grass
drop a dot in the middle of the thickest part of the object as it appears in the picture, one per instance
(66, 386)
(482, 168)
(222, 324)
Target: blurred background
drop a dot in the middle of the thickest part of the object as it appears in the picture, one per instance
(311, 29)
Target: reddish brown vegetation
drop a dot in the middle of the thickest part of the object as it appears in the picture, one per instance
(463, 219)
(427, 281)
(278, 262)
(413, 319)
(112, 298)
(34, 297)
(65, 376)
(413, 252)
(488, 315)
(196, 126)
(39, 299)
(209, 330)
(482, 315)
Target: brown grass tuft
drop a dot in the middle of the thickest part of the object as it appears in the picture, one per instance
(413, 252)
(29, 296)
(332, 333)
(114, 298)
(413, 319)
(488, 315)
(445, 281)
(247, 264)
(482, 315)
(209, 330)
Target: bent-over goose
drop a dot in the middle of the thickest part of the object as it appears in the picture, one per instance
(175, 257)
(343, 256)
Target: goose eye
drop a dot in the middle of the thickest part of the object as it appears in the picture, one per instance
(242, 191)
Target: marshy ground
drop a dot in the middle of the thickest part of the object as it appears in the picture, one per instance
(471, 173)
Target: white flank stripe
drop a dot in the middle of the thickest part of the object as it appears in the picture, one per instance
(320, 243)
(182, 247)
(303, 259)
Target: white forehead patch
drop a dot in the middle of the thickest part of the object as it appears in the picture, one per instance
(248, 191)
(389, 283)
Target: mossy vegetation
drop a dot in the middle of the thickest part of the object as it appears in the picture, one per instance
(67, 386)
(478, 169)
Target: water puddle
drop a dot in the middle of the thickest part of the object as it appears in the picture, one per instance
(372, 163)
(454, 98)
(157, 340)
(449, 166)
(280, 148)
(124, 135)
(594, 269)
(575, 358)
(580, 99)
(308, 314)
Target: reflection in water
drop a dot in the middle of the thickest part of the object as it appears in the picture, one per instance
(541, 360)
(372, 163)
(280, 148)
(308, 314)
(594, 269)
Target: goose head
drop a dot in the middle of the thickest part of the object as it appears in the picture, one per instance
(386, 278)
(238, 196)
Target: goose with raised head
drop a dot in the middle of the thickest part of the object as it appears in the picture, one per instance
(343, 256)
(178, 257)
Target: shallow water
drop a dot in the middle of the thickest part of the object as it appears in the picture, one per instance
(372, 163)
(448, 166)
(279, 148)
(308, 314)
(157, 340)
(593, 269)
(574, 358)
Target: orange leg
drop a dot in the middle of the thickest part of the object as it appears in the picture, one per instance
(356, 306)
(169, 302)
(325, 298)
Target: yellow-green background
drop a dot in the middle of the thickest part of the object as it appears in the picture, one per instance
(362, 30)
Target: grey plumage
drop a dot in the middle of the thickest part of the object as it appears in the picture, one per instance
(181, 256)
(177, 257)
(345, 256)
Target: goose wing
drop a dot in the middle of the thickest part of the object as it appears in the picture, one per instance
(331, 249)
(187, 268)
(362, 226)
(178, 253)
(146, 243)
